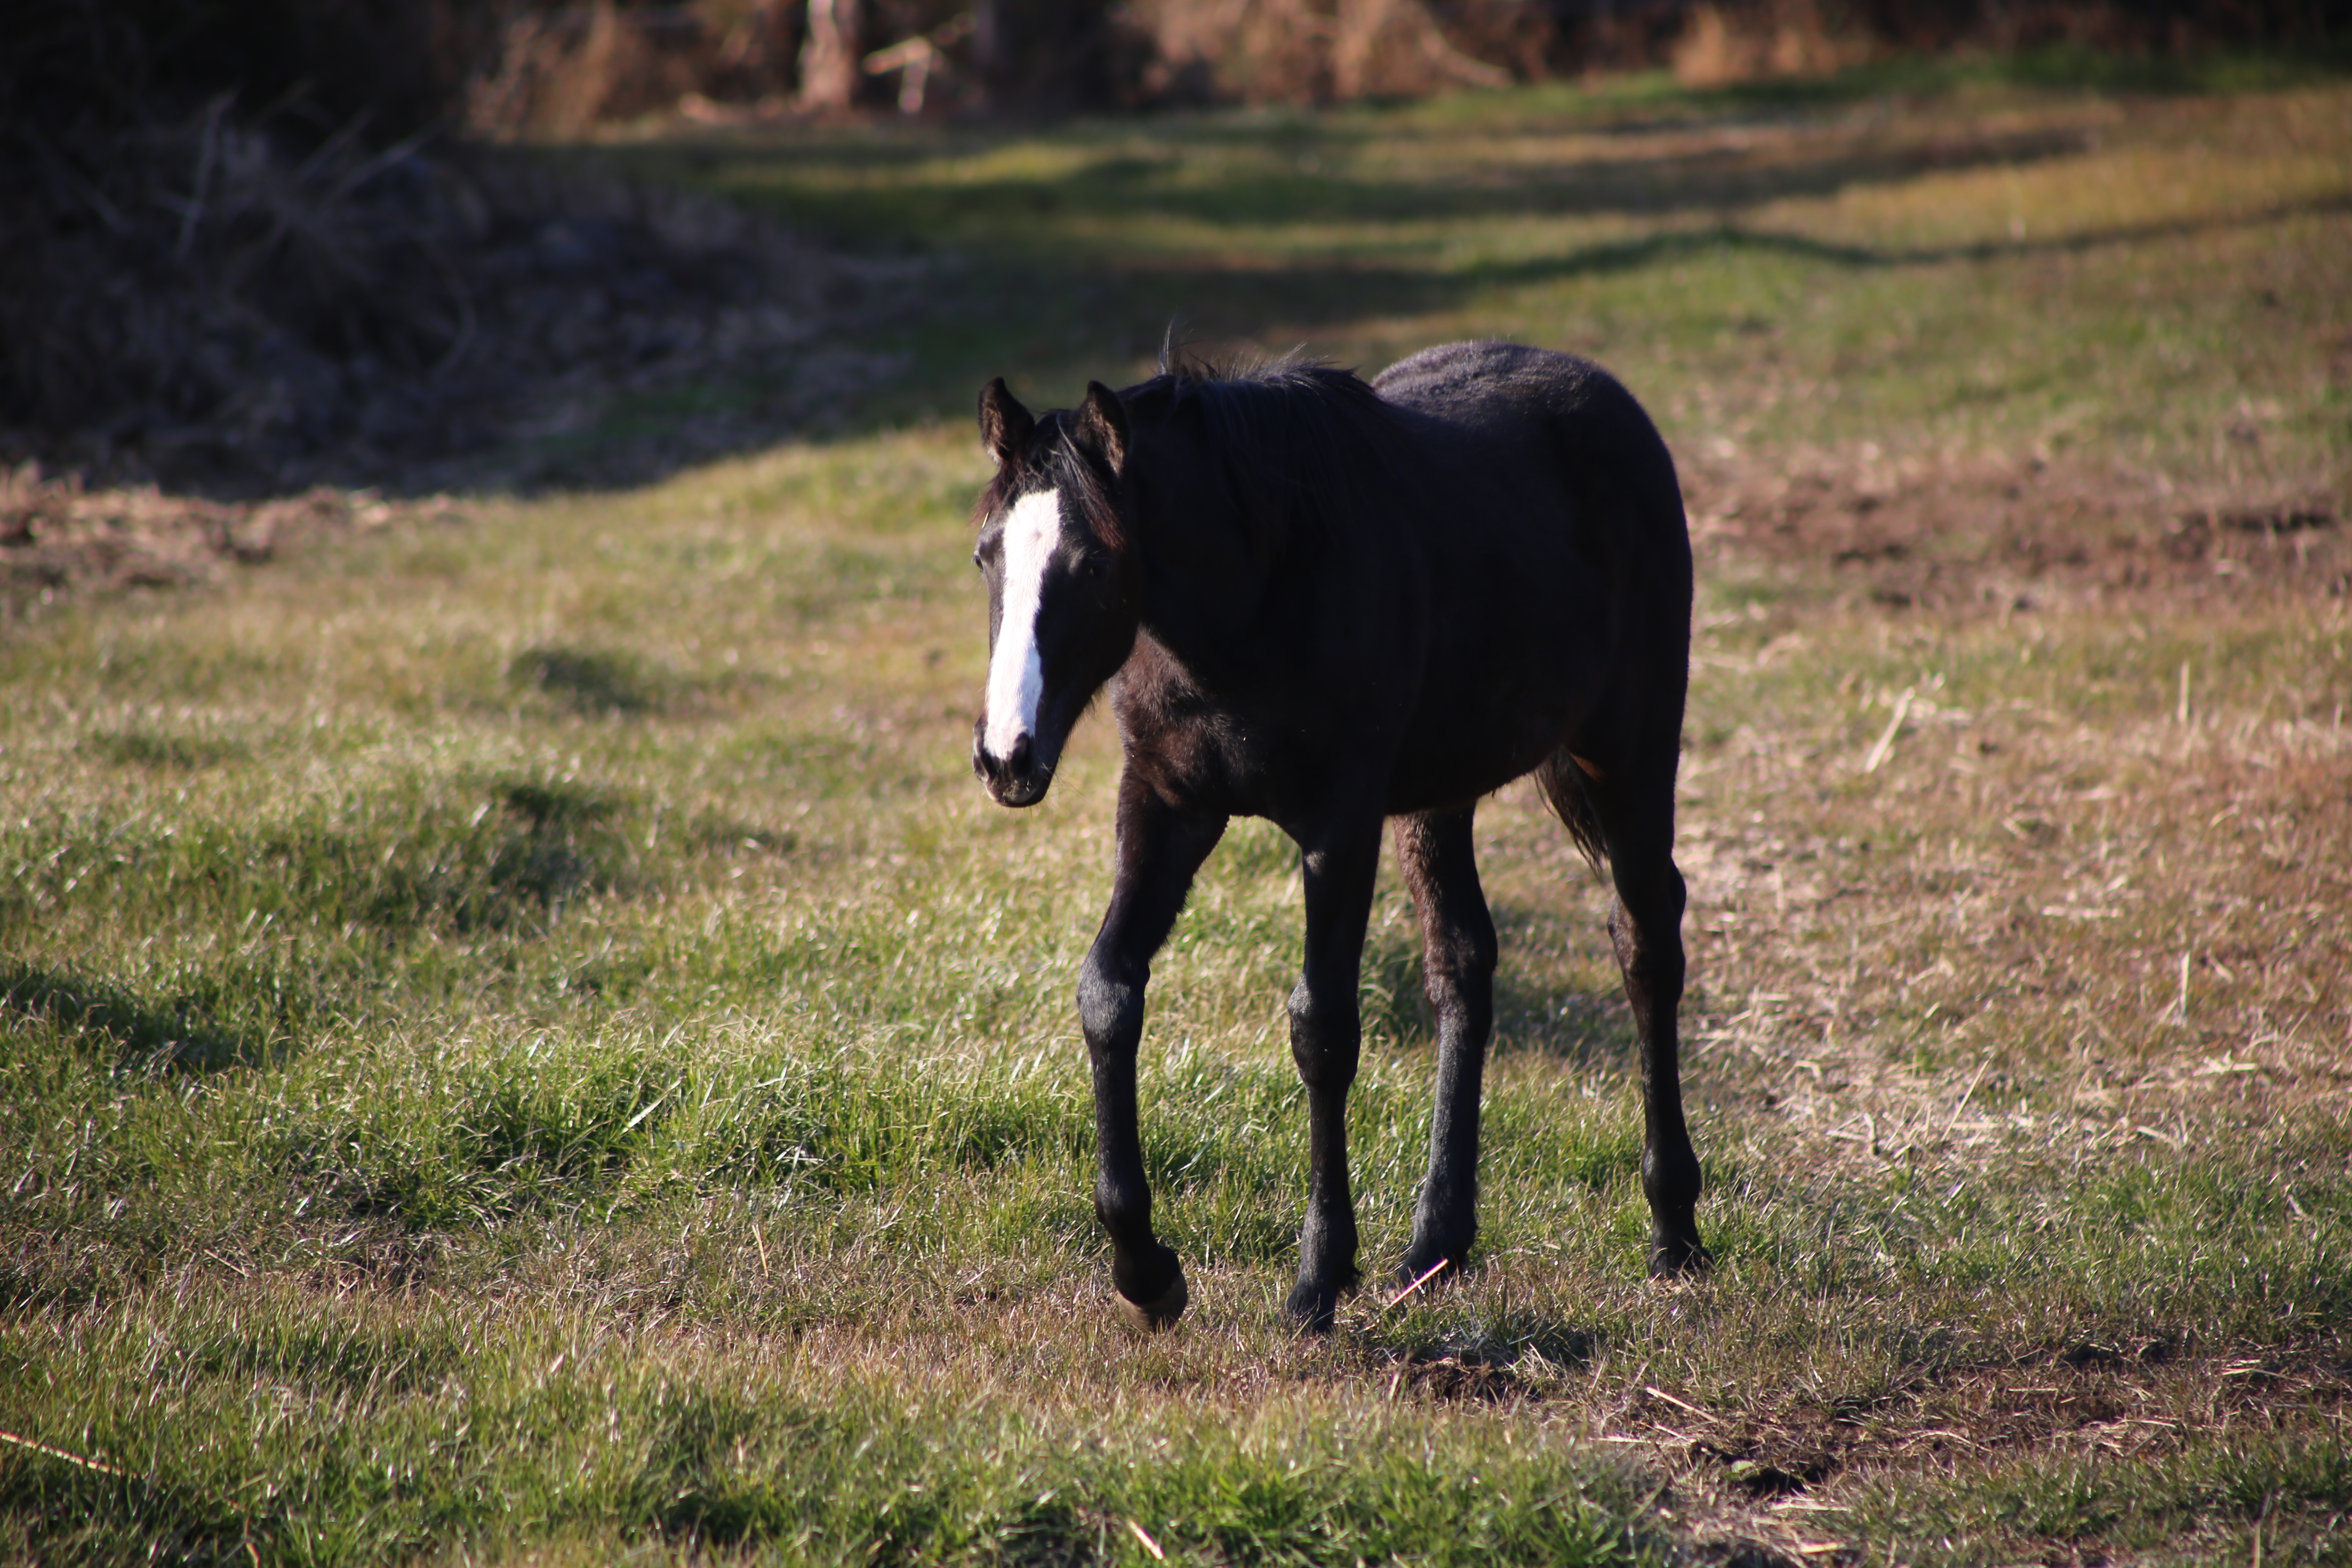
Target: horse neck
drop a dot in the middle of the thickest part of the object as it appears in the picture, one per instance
(1205, 590)
(1228, 556)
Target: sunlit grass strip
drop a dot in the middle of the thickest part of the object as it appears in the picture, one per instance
(400, 1425)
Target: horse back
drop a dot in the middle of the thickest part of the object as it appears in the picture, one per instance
(1563, 417)
(1555, 548)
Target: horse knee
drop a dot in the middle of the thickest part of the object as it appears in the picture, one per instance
(1658, 973)
(1111, 1005)
(1465, 1012)
(1325, 1034)
(1484, 953)
(1459, 974)
(1654, 902)
(1649, 950)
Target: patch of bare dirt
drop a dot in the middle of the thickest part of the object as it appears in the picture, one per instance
(1771, 1476)
(56, 537)
(1945, 535)
(1495, 1368)
(2125, 1399)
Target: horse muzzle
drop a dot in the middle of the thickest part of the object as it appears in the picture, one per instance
(1016, 779)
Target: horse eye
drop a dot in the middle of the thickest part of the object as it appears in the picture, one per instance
(1091, 567)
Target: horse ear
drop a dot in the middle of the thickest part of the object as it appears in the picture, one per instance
(1005, 425)
(1102, 425)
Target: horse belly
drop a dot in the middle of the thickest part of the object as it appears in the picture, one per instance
(1477, 749)
(1517, 655)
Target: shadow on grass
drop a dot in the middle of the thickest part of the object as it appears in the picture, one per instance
(1044, 299)
(592, 680)
(1657, 248)
(157, 750)
(1308, 298)
(334, 911)
(1590, 1031)
(1057, 261)
(1488, 1360)
(1002, 216)
(1069, 275)
(182, 1034)
(1584, 1029)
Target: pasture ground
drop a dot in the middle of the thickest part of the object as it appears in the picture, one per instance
(523, 1042)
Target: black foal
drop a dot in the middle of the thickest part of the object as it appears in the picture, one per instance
(1333, 605)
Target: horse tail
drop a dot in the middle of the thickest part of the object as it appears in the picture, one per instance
(1562, 782)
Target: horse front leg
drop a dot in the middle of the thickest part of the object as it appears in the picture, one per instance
(1457, 964)
(1159, 849)
(1326, 1035)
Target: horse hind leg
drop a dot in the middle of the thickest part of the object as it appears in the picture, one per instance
(1630, 814)
(1458, 948)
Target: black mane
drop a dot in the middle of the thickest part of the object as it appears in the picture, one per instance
(1296, 442)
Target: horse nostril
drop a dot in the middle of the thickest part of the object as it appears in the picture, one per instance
(982, 763)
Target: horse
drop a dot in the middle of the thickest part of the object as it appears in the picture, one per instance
(1336, 605)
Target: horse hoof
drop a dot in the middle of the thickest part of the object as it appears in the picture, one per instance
(1313, 1310)
(1678, 1258)
(1150, 1316)
(1427, 1265)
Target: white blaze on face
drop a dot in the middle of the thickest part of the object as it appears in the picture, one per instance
(1017, 676)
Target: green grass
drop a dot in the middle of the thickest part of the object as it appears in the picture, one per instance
(1983, 262)
(522, 1041)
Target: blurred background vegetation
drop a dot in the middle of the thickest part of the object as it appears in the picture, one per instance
(511, 68)
(258, 245)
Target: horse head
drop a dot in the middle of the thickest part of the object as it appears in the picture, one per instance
(1065, 594)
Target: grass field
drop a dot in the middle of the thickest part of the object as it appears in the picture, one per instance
(522, 1040)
